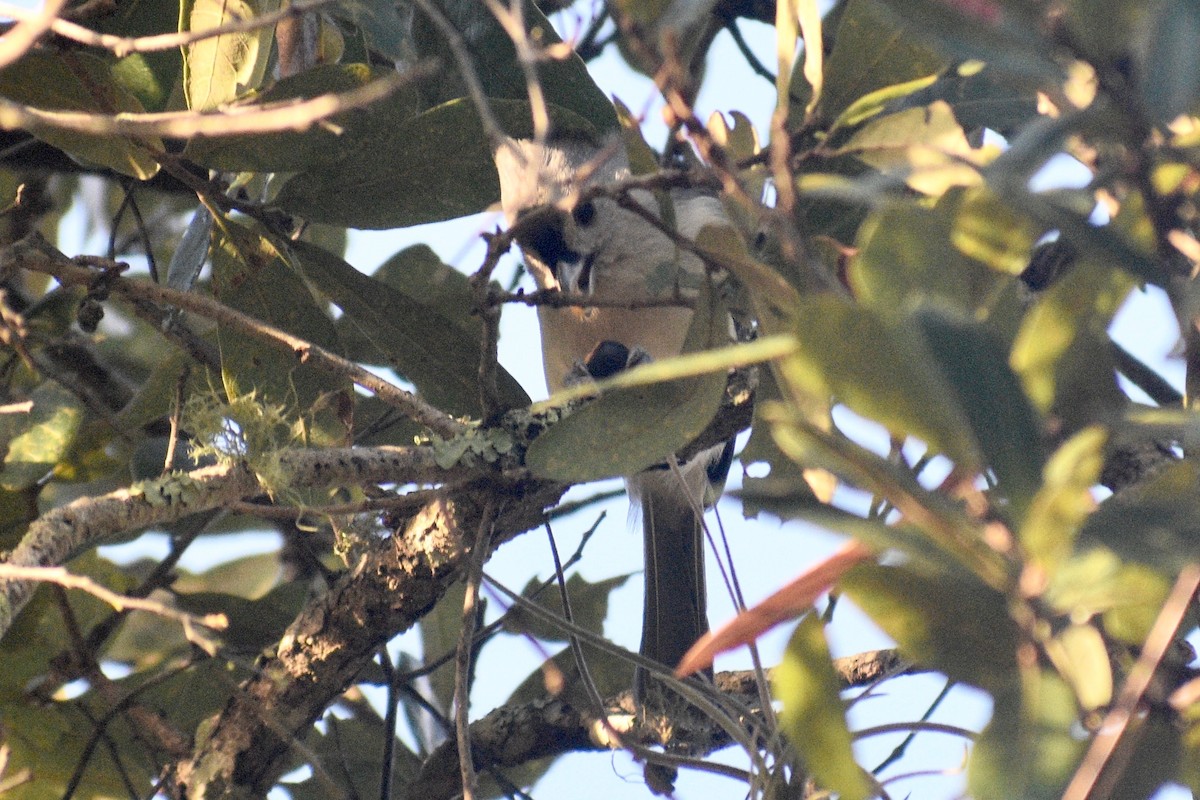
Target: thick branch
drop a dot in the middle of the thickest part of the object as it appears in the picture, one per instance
(515, 735)
(36, 255)
(61, 532)
(336, 635)
(322, 652)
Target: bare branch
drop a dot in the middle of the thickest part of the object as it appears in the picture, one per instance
(286, 115)
(25, 34)
(514, 735)
(1106, 758)
(61, 577)
(122, 46)
(36, 255)
(63, 531)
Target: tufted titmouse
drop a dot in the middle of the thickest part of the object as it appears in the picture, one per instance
(594, 247)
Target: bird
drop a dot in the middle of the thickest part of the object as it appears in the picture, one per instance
(592, 246)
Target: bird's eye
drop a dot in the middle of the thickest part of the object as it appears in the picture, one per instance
(546, 242)
(584, 213)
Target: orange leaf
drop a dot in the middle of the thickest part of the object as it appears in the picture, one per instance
(788, 603)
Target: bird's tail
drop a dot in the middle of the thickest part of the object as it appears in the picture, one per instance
(675, 611)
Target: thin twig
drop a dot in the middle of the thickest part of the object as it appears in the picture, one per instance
(37, 256)
(285, 115)
(176, 413)
(17, 41)
(556, 298)
(1103, 759)
(512, 20)
(466, 69)
(122, 46)
(462, 662)
(413, 499)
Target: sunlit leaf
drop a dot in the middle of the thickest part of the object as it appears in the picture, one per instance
(81, 82)
(953, 624)
(978, 97)
(222, 68)
(252, 275)
(813, 715)
(154, 76)
(434, 166)
(1095, 582)
(1064, 500)
(1081, 657)
(35, 442)
(958, 254)
(926, 147)
(1061, 353)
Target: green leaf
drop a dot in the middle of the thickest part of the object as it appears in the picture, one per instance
(37, 441)
(81, 82)
(565, 81)
(434, 166)
(951, 623)
(629, 429)
(49, 740)
(1096, 582)
(952, 540)
(589, 607)
(1002, 420)
(1028, 749)
(1155, 522)
(1081, 657)
(1065, 500)
(870, 52)
(220, 69)
(922, 553)
(879, 368)
(1012, 44)
(253, 624)
(380, 23)
(1061, 352)
(1171, 76)
(924, 146)
(979, 98)
(18, 508)
(440, 631)
(953, 255)
(355, 744)
(439, 353)
(813, 716)
(353, 134)
(251, 275)
(152, 77)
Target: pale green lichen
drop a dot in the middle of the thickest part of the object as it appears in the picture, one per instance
(176, 488)
(486, 445)
(245, 429)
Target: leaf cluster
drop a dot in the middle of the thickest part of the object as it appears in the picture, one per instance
(1031, 502)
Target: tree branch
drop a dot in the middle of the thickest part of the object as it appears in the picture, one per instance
(36, 255)
(513, 735)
